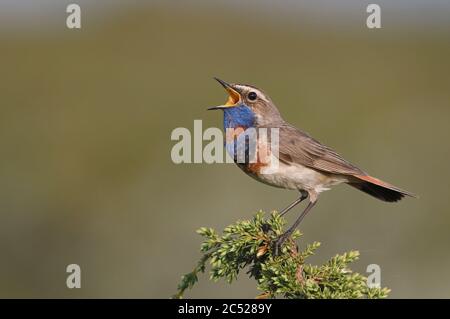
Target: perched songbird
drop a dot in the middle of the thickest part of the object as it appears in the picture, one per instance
(304, 164)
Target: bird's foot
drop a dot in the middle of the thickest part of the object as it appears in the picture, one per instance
(266, 228)
(278, 244)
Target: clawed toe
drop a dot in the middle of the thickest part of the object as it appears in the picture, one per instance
(278, 244)
(266, 228)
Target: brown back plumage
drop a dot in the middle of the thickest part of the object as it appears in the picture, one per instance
(298, 147)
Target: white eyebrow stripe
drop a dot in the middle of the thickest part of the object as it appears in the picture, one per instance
(250, 88)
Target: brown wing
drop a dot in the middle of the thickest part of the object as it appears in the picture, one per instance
(298, 147)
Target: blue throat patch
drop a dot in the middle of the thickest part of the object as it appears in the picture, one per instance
(239, 116)
(234, 117)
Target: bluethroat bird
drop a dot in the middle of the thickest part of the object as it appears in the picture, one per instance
(304, 164)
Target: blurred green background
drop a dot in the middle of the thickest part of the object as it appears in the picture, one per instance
(86, 115)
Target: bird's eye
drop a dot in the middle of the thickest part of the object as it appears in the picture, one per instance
(252, 96)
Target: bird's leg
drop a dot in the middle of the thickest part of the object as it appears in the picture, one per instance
(280, 240)
(303, 196)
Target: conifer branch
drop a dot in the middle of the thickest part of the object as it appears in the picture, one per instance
(249, 244)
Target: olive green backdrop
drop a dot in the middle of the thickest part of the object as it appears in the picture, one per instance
(86, 116)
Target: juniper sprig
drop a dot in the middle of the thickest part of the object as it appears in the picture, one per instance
(249, 244)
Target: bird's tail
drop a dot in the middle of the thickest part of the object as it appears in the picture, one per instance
(379, 189)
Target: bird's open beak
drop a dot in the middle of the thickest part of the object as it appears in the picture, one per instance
(233, 96)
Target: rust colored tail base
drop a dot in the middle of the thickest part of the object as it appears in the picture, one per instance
(379, 189)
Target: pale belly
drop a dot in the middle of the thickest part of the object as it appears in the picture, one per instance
(289, 176)
(296, 177)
